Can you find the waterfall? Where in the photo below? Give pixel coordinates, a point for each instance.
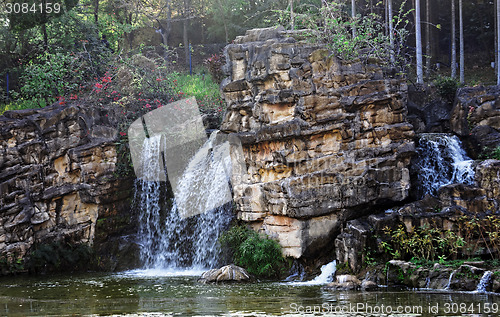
(172, 236)
(440, 161)
(326, 276)
(484, 282)
(448, 286)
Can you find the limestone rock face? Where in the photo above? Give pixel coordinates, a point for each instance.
(56, 176)
(476, 116)
(228, 273)
(323, 139)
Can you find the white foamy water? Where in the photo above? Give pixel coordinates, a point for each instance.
(326, 276)
(441, 161)
(187, 243)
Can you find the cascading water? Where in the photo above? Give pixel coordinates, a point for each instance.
(326, 276)
(485, 282)
(440, 161)
(169, 241)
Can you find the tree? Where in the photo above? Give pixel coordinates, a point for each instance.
(418, 37)
(453, 41)
(428, 53)
(498, 42)
(353, 14)
(391, 31)
(462, 51)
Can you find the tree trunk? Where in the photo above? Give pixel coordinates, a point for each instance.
(96, 11)
(353, 14)
(428, 53)
(45, 37)
(185, 31)
(497, 35)
(453, 41)
(391, 32)
(169, 21)
(498, 42)
(462, 52)
(292, 16)
(224, 19)
(418, 38)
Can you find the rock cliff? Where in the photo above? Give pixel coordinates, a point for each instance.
(324, 140)
(57, 178)
(476, 118)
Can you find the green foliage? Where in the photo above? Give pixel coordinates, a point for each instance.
(59, 256)
(350, 38)
(423, 243)
(430, 244)
(491, 154)
(214, 64)
(258, 254)
(447, 87)
(11, 264)
(52, 75)
(204, 89)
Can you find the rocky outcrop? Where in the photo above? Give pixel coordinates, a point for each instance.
(467, 277)
(476, 117)
(427, 111)
(228, 273)
(57, 177)
(451, 210)
(323, 139)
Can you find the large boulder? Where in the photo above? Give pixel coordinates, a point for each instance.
(228, 273)
(323, 139)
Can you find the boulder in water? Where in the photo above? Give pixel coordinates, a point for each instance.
(228, 273)
(345, 282)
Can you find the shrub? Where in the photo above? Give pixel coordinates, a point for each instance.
(59, 256)
(214, 64)
(52, 75)
(447, 87)
(257, 253)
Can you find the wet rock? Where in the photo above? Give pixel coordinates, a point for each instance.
(368, 285)
(323, 139)
(345, 282)
(228, 273)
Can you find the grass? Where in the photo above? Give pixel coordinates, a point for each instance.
(22, 104)
(203, 88)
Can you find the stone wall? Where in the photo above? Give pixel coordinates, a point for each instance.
(324, 140)
(57, 177)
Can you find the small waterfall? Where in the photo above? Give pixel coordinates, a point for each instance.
(484, 282)
(172, 236)
(326, 276)
(440, 161)
(448, 286)
(427, 282)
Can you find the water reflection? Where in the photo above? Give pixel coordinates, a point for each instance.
(135, 295)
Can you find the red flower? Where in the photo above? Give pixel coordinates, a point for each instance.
(98, 85)
(123, 133)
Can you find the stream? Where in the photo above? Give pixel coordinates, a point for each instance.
(163, 293)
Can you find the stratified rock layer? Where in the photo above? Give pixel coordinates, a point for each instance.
(476, 118)
(57, 168)
(323, 139)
